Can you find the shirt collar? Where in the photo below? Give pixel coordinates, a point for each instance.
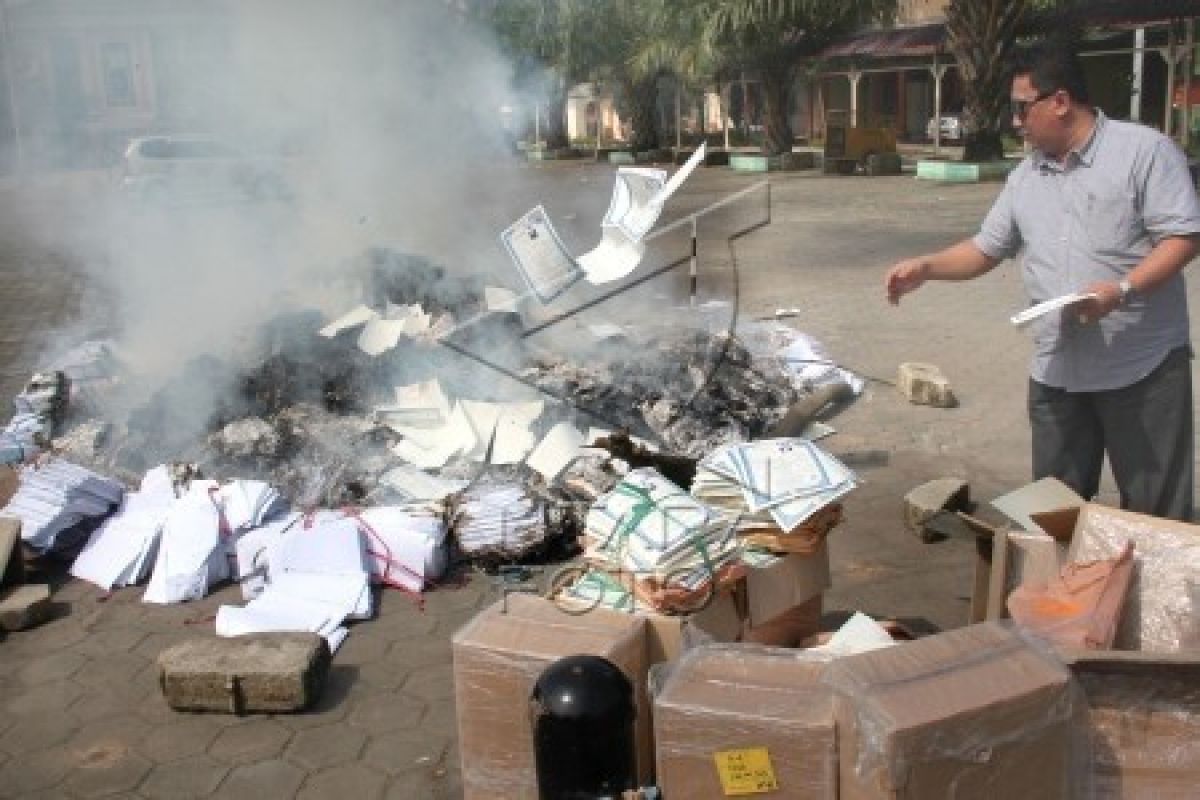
(1082, 155)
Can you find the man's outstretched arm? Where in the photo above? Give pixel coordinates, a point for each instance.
(959, 262)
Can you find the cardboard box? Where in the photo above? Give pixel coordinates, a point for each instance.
(498, 657)
(791, 581)
(1144, 712)
(1163, 608)
(721, 620)
(734, 698)
(974, 713)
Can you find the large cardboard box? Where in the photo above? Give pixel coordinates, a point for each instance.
(498, 657)
(1144, 711)
(974, 713)
(1163, 607)
(722, 619)
(727, 698)
(783, 601)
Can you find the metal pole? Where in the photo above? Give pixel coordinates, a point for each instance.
(939, 71)
(693, 279)
(678, 119)
(1139, 61)
(1168, 114)
(725, 116)
(1189, 66)
(854, 76)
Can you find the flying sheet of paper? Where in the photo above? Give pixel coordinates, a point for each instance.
(681, 175)
(500, 300)
(632, 208)
(352, 319)
(556, 451)
(1041, 309)
(540, 256)
(615, 257)
(380, 335)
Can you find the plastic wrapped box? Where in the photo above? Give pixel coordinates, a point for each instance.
(978, 712)
(1144, 711)
(722, 699)
(498, 657)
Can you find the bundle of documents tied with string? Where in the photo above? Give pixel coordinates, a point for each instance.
(784, 492)
(668, 547)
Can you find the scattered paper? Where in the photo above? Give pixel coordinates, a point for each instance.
(634, 207)
(500, 300)
(380, 335)
(540, 255)
(359, 316)
(860, 634)
(556, 451)
(615, 257)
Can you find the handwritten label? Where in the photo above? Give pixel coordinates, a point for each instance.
(746, 771)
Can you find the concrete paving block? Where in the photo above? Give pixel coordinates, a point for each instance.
(924, 384)
(12, 566)
(264, 673)
(923, 502)
(23, 607)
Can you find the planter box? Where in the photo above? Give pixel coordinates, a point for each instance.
(754, 162)
(560, 154)
(621, 158)
(961, 172)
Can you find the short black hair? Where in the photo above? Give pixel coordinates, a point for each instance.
(1051, 67)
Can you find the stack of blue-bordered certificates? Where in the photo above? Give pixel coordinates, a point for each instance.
(668, 546)
(785, 492)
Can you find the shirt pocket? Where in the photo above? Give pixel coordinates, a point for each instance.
(1110, 221)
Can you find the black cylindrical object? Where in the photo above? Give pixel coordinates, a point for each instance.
(583, 716)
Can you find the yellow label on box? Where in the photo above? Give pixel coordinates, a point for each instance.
(745, 771)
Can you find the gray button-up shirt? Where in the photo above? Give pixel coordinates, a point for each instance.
(1094, 217)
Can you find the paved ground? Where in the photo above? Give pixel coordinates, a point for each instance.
(80, 712)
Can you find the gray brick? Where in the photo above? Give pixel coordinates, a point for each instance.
(386, 711)
(276, 672)
(254, 740)
(920, 504)
(35, 772)
(264, 780)
(23, 607)
(924, 384)
(182, 736)
(325, 747)
(344, 782)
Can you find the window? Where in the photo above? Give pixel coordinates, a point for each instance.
(116, 66)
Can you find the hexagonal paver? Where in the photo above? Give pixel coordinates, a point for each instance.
(338, 783)
(155, 643)
(417, 653)
(117, 673)
(107, 771)
(54, 667)
(117, 732)
(93, 705)
(331, 706)
(35, 772)
(362, 647)
(405, 751)
(264, 779)
(432, 684)
(105, 643)
(325, 747)
(195, 776)
(35, 733)
(47, 698)
(385, 673)
(50, 637)
(414, 786)
(253, 740)
(385, 711)
(183, 736)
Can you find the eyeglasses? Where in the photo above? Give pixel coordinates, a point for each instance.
(1020, 108)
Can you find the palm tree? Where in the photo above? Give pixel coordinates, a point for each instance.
(982, 36)
(770, 38)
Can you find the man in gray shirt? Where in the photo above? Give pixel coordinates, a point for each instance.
(1106, 208)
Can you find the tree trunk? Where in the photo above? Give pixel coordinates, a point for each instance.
(643, 113)
(982, 36)
(777, 123)
(556, 117)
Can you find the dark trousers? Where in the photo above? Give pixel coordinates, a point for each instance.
(1146, 429)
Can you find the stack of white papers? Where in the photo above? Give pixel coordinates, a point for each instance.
(406, 545)
(499, 519)
(56, 495)
(121, 550)
(651, 528)
(317, 578)
(784, 481)
(249, 504)
(190, 553)
(255, 549)
(802, 358)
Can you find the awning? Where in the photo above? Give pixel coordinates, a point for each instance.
(918, 40)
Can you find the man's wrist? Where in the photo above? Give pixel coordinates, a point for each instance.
(1125, 287)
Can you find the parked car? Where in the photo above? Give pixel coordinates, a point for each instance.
(954, 128)
(197, 168)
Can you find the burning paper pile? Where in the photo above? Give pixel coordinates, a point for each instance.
(674, 547)
(499, 520)
(784, 491)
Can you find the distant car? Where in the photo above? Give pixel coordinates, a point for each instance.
(954, 128)
(191, 168)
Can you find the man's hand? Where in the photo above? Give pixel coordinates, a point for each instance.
(1108, 297)
(906, 276)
